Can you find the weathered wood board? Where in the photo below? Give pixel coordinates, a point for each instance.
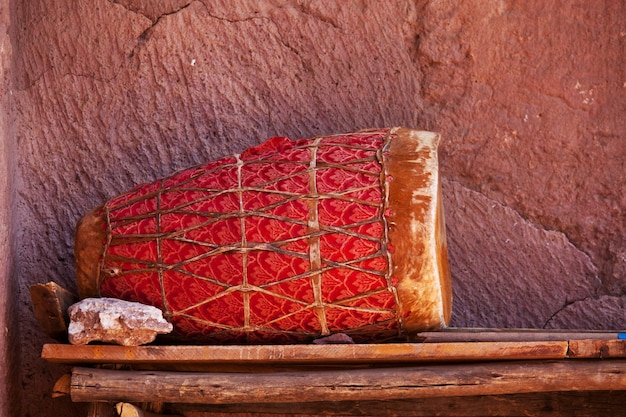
(174, 357)
(50, 304)
(445, 380)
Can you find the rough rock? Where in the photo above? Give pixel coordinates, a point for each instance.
(115, 321)
(530, 98)
(506, 271)
(599, 313)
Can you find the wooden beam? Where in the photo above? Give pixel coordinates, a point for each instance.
(448, 380)
(171, 357)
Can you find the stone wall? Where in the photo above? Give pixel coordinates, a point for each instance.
(529, 100)
(9, 341)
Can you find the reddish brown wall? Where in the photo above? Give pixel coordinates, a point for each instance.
(9, 335)
(529, 99)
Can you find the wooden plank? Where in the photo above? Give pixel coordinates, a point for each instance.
(50, 304)
(168, 356)
(449, 380)
(460, 334)
(601, 349)
(549, 404)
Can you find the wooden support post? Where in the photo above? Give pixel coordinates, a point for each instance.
(495, 378)
(50, 303)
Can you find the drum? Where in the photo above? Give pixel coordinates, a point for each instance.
(286, 242)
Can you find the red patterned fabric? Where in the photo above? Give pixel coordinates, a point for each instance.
(283, 243)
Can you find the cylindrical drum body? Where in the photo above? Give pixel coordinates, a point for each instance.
(286, 242)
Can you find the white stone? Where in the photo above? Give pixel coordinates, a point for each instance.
(115, 321)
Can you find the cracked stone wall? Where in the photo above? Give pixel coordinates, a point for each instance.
(529, 100)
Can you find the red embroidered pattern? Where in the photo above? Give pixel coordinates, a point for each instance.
(283, 243)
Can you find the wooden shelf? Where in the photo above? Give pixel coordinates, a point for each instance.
(194, 378)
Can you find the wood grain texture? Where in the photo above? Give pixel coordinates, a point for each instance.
(50, 304)
(169, 356)
(348, 385)
(600, 349)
